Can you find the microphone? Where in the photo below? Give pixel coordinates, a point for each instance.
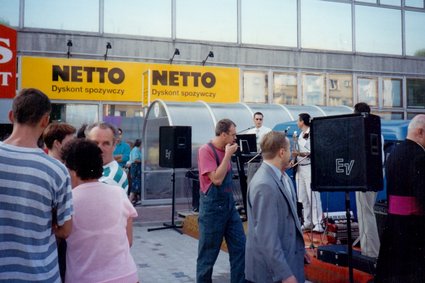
(249, 128)
(287, 129)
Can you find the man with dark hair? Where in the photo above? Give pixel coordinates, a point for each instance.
(361, 107)
(122, 150)
(35, 196)
(365, 203)
(218, 216)
(55, 136)
(402, 254)
(311, 201)
(259, 130)
(275, 245)
(105, 135)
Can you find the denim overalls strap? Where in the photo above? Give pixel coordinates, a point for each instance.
(228, 179)
(215, 154)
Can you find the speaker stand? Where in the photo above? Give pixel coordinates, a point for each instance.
(349, 246)
(172, 224)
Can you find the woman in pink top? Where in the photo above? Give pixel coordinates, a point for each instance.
(102, 232)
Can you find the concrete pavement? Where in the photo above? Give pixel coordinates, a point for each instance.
(165, 255)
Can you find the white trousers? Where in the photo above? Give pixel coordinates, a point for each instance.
(312, 205)
(368, 230)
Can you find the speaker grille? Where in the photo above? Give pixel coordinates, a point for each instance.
(341, 149)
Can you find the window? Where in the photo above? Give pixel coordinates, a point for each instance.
(255, 87)
(285, 88)
(340, 89)
(146, 18)
(391, 2)
(410, 115)
(378, 30)
(326, 25)
(126, 117)
(415, 93)
(367, 90)
(313, 89)
(414, 3)
(415, 33)
(392, 92)
(75, 114)
(206, 20)
(277, 24)
(390, 115)
(9, 12)
(62, 15)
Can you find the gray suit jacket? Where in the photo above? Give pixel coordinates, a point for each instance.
(275, 244)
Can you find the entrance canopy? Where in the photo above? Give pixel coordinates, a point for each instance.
(202, 117)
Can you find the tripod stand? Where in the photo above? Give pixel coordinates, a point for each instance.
(349, 246)
(172, 224)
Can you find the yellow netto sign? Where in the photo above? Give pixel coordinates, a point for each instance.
(192, 83)
(73, 79)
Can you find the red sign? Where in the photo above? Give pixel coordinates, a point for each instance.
(7, 62)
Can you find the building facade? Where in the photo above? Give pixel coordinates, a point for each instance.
(296, 52)
(291, 52)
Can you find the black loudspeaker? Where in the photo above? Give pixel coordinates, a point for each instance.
(175, 146)
(338, 255)
(346, 153)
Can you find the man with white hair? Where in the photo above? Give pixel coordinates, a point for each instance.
(402, 254)
(105, 135)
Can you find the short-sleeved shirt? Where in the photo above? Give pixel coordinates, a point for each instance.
(124, 149)
(113, 174)
(98, 248)
(135, 154)
(32, 184)
(259, 133)
(207, 163)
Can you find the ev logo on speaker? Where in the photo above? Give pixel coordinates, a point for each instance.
(342, 167)
(168, 154)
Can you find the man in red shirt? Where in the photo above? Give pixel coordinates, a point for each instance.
(218, 216)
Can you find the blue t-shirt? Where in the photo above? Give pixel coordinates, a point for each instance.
(32, 184)
(124, 149)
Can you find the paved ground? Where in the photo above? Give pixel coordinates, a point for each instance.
(165, 255)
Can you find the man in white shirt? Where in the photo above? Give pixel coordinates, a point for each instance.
(365, 203)
(259, 130)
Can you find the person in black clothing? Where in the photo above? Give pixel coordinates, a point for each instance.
(402, 253)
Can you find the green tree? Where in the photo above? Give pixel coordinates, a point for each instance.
(420, 52)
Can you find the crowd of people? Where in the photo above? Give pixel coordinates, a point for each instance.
(54, 226)
(46, 199)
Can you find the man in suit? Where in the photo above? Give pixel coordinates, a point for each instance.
(275, 245)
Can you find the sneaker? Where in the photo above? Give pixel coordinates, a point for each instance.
(306, 227)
